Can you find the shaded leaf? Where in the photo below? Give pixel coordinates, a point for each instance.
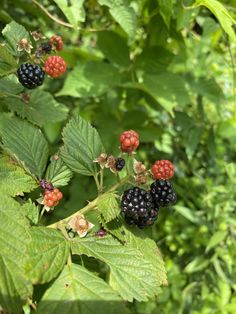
(7, 61)
(73, 10)
(108, 206)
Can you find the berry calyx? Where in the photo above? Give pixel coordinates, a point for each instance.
(57, 42)
(162, 169)
(138, 207)
(119, 163)
(52, 198)
(55, 66)
(30, 75)
(163, 193)
(129, 141)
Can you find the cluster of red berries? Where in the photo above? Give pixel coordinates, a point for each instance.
(52, 198)
(129, 141)
(54, 65)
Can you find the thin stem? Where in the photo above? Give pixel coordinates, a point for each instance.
(63, 23)
(101, 180)
(97, 182)
(55, 19)
(90, 206)
(5, 94)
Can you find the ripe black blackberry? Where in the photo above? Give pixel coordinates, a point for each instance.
(30, 75)
(138, 207)
(119, 164)
(46, 47)
(163, 193)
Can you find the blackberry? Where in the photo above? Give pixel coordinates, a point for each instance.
(163, 193)
(46, 47)
(138, 207)
(119, 164)
(30, 75)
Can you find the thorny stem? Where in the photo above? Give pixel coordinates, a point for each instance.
(90, 206)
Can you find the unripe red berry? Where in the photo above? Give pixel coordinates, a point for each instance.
(55, 66)
(57, 42)
(51, 198)
(162, 169)
(129, 141)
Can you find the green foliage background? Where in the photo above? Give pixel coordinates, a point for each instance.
(165, 69)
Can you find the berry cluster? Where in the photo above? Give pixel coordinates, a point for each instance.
(138, 207)
(51, 198)
(55, 66)
(129, 141)
(31, 75)
(162, 169)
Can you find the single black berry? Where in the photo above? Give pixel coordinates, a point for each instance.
(46, 47)
(138, 207)
(163, 193)
(44, 184)
(30, 75)
(120, 163)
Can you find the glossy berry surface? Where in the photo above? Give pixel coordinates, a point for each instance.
(55, 66)
(57, 42)
(52, 198)
(138, 207)
(162, 169)
(129, 141)
(30, 75)
(163, 193)
(119, 164)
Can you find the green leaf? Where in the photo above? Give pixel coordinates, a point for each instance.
(124, 14)
(48, 253)
(10, 84)
(168, 89)
(187, 213)
(14, 32)
(31, 211)
(42, 108)
(193, 139)
(58, 173)
(154, 59)
(166, 7)
(7, 61)
(131, 272)
(26, 143)
(90, 79)
(73, 10)
(79, 291)
(108, 206)
(118, 54)
(219, 10)
(197, 264)
(216, 239)
(15, 237)
(82, 144)
(13, 179)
